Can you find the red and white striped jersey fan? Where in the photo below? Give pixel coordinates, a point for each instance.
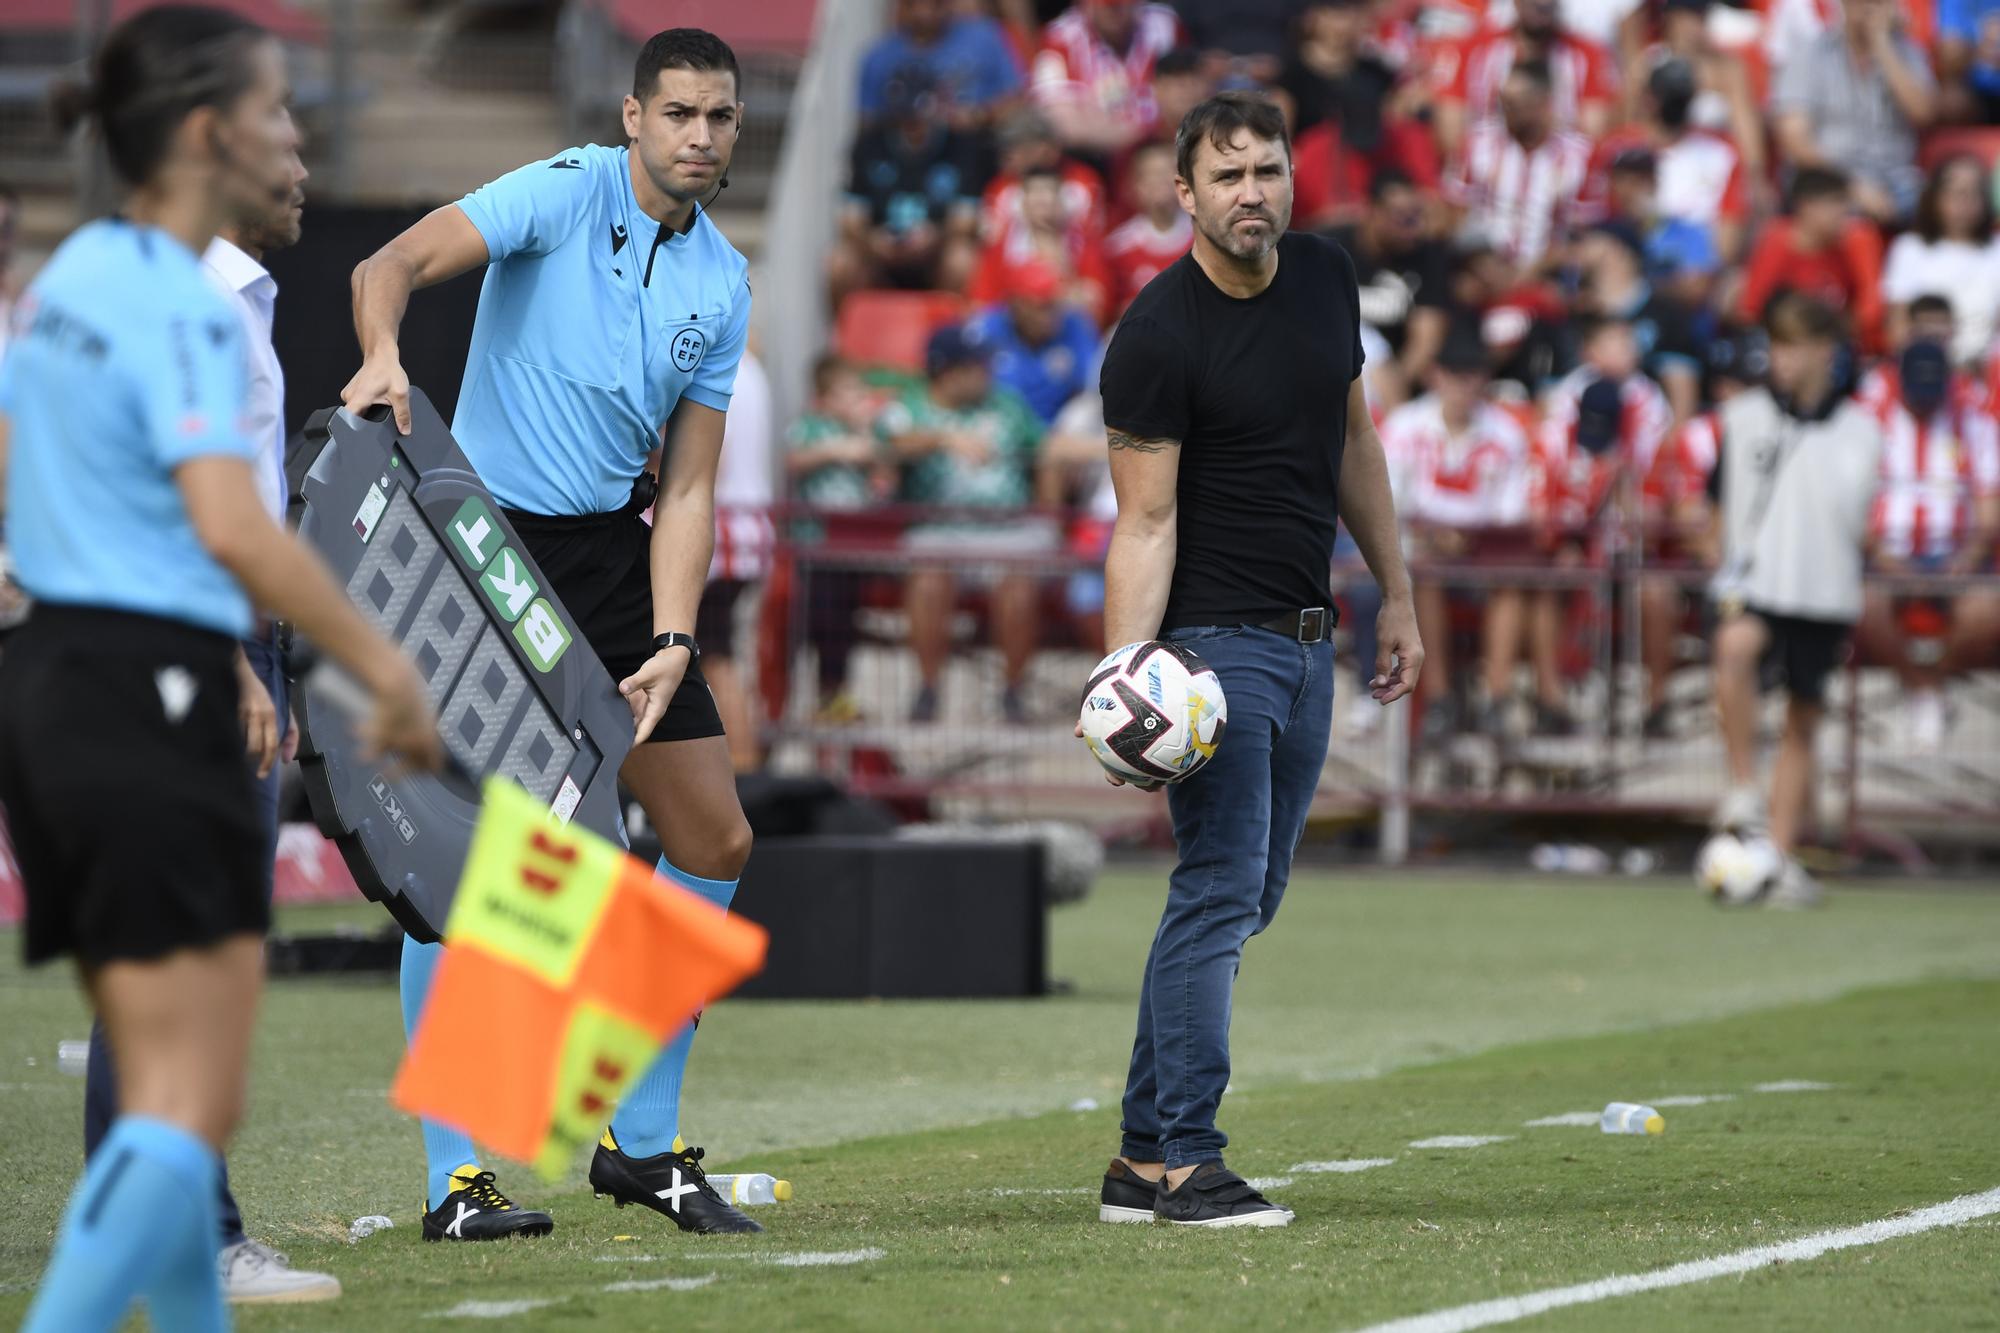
(1520, 198)
(1076, 67)
(1580, 71)
(1573, 485)
(1480, 478)
(1137, 251)
(1932, 470)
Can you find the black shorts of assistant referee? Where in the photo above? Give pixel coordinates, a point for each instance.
(128, 796)
(1800, 654)
(599, 568)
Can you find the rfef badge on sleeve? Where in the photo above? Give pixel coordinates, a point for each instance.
(426, 555)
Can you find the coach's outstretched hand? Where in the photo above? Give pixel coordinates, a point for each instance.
(380, 380)
(1399, 658)
(652, 687)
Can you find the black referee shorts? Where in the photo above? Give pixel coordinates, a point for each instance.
(599, 568)
(128, 796)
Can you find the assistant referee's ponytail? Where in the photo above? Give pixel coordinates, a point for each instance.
(153, 70)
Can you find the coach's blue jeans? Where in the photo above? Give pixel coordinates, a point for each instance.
(100, 1082)
(1236, 824)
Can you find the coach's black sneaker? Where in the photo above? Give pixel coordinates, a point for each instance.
(1127, 1196)
(477, 1210)
(1215, 1196)
(672, 1184)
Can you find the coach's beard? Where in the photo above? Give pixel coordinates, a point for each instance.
(1237, 246)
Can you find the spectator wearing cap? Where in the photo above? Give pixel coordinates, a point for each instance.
(1404, 278)
(1347, 127)
(1681, 257)
(1857, 96)
(911, 215)
(1520, 179)
(1582, 77)
(1603, 429)
(1938, 510)
(1093, 75)
(1699, 176)
(1951, 251)
(1048, 234)
(1462, 468)
(966, 59)
(967, 445)
(1158, 232)
(1041, 346)
(1611, 258)
(1820, 250)
(1968, 58)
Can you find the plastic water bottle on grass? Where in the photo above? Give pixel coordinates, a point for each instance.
(1632, 1118)
(752, 1189)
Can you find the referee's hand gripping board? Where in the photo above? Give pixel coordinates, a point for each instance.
(425, 553)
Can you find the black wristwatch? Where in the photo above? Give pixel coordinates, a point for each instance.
(676, 639)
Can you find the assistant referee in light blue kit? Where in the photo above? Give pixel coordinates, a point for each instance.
(612, 307)
(135, 520)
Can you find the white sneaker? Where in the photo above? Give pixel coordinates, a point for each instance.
(1742, 809)
(1795, 889)
(254, 1273)
(1927, 719)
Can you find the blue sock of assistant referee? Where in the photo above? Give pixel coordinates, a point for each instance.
(140, 1225)
(649, 1116)
(445, 1149)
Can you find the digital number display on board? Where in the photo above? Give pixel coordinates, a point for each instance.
(426, 555)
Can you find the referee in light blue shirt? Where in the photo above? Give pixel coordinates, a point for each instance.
(612, 308)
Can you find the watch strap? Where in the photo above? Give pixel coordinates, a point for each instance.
(676, 639)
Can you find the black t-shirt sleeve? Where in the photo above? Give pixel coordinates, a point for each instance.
(1145, 381)
(1433, 273)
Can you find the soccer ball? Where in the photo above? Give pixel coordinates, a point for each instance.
(1736, 870)
(1153, 713)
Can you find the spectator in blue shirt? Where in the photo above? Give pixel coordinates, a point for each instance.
(1968, 58)
(1041, 348)
(968, 60)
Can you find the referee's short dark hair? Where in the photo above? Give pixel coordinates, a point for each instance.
(683, 48)
(1220, 119)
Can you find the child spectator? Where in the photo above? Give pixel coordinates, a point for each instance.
(1046, 233)
(1158, 232)
(1820, 251)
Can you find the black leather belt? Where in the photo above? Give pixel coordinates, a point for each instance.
(1311, 625)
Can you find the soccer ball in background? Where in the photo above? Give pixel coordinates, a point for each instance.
(1738, 869)
(1153, 713)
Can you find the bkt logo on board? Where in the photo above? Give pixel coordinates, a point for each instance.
(392, 806)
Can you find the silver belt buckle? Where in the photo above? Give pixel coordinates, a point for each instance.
(1312, 624)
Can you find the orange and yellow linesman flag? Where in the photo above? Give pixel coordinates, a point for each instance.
(568, 965)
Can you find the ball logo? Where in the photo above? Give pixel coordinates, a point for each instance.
(688, 347)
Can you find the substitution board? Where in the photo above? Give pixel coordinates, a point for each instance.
(425, 553)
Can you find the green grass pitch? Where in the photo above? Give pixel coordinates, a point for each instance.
(933, 1146)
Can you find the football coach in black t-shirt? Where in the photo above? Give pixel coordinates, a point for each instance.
(1232, 394)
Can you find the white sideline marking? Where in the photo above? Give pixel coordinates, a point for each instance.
(1484, 1314)
(1702, 1100)
(1017, 1193)
(492, 1309)
(1461, 1140)
(1342, 1167)
(828, 1258)
(1566, 1118)
(661, 1284)
(1794, 1085)
(1262, 1183)
(625, 1259)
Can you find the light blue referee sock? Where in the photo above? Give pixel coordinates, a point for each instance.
(649, 1117)
(142, 1224)
(445, 1149)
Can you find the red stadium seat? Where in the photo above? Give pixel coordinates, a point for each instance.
(1982, 141)
(890, 328)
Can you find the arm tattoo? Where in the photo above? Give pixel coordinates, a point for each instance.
(1121, 440)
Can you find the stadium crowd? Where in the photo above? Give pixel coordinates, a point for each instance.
(1568, 219)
